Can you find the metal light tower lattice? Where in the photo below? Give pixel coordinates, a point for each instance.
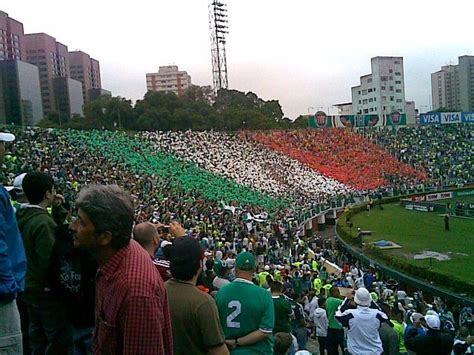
(218, 25)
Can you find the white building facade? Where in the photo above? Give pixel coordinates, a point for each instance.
(382, 91)
(344, 108)
(168, 79)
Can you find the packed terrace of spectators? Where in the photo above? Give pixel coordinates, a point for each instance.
(197, 178)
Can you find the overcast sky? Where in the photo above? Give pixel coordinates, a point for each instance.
(305, 53)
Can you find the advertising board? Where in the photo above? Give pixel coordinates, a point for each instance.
(432, 118)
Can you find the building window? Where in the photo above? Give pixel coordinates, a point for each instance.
(399, 91)
(391, 88)
(383, 78)
(364, 92)
(371, 100)
(359, 92)
(396, 62)
(364, 101)
(371, 109)
(366, 110)
(391, 98)
(390, 77)
(399, 100)
(398, 73)
(382, 88)
(398, 82)
(390, 71)
(360, 101)
(370, 90)
(369, 80)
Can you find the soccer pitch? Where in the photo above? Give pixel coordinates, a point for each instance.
(419, 231)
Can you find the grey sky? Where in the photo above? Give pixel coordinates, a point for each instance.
(306, 53)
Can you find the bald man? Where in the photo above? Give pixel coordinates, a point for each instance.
(148, 236)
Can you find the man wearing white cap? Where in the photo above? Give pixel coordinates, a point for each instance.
(434, 342)
(16, 192)
(363, 323)
(12, 267)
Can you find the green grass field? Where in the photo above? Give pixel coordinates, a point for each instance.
(419, 231)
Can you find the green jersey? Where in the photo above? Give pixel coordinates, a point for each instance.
(332, 304)
(298, 285)
(282, 314)
(244, 308)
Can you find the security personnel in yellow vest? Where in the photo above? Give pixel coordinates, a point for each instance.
(317, 285)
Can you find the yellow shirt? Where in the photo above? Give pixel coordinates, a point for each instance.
(262, 278)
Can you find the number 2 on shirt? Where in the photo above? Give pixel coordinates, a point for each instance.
(234, 314)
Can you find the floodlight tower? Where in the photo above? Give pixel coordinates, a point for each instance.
(218, 25)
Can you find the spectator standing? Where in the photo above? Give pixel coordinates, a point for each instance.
(73, 272)
(16, 192)
(194, 315)
(388, 336)
(282, 308)
(12, 267)
(49, 329)
(148, 235)
(320, 319)
(416, 328)
(399, 326)
(434, 342)
(335, 338)
(298, 325)
(363, 324)
(222, 271)
(132, 315)
(207, 277)
(464, 343)
(246, 311)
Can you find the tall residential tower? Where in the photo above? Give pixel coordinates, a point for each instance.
(452, 87)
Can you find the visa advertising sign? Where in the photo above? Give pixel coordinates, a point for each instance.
(430, 118)
(450, 117)
(467, 117)
(433, 118)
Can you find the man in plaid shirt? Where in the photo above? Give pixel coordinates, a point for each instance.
(132, 314)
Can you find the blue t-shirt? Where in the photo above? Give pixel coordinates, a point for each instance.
(12, 252)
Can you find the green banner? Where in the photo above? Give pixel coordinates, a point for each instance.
(463, 193)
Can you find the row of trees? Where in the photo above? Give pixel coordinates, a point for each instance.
(230, 110)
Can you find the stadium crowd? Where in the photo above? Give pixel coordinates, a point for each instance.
(444, 152)
(92, 287)
(342, 154)
(249, 164)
